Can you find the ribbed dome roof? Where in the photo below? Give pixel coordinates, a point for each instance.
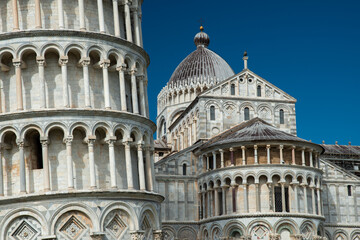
(202, 65)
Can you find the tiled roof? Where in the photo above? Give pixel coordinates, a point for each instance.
(341, 149)
(255, 129)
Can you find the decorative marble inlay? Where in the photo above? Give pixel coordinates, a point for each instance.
(307, 232)
(73, 228)
(116, 226)
(260, 232)
(24, 232)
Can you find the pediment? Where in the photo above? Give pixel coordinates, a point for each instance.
(245, 86)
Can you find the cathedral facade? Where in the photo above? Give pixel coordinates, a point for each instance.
(229, 163)
(76, 140)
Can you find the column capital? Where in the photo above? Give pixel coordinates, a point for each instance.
(158, 234)
(141, 77)
(255, 147)
(68, 140)
(268, 146)
(63, 60)
(121, 67)
(105, 63)
(17, 62)
(140, 146)
(133, 71)
(85, 61)
(20, 143)
(40, 60)
(44, 141)
(293, 147)
(243, 147)
(111, 140)
(221, 150)
(281, 146)
(231, 149)
(91, 140)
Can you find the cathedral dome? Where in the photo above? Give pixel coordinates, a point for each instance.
(202, 65)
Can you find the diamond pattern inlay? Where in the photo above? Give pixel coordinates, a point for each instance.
(24, 232)
(116, 226)
(73, 228)
(260, 232)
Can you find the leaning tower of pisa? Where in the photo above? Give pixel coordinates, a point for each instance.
(76, 139)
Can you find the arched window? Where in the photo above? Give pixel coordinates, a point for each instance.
(232, 89)
(212, 113)
(282, 120)
(246, 114)
(184, 169)
(259, 91)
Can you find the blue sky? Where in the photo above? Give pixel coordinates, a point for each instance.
(309, 48)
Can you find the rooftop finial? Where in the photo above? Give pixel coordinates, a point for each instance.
(245, 58)
(201, 28)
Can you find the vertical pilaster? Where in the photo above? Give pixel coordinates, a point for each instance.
(224, 203)
(257, 193)
(295, 187)
(304, 185)
(319, 201)
(216, 201)
(148, 169)
(1, 172)
(283, 201)
(246, 208)
(313, 199)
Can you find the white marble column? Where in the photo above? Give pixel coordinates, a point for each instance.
(222, 157)
(268, 154)
(136, 27)
(140, 27)
(85, 62)
(82, 15)
(281, 147)
(134, 95)
(296, 205)
(41, 64)
(61, 14)
(38, 24)
(214, 160)
(246, 208)
(304, 185)
(63, 63)
(1, 172)
(257, 193)
(313, 199)
(129, 174)
(105, 65)
(45, 155)
(311, 158)
(318, 191)
(203, 204)
(224, 200)
(216, 201)
(69, 163)
(19, 92)
(243, 155)
(111, 141)
(303, 157)
(293, 155)
(148, 169)
(141, 167)
(90, 143)
(128, 20)
(142, 96)
(283, 201)
(15, 16)
(22, 167)
(255, 154)
(116, 18)
(121, 70)
(101, 16)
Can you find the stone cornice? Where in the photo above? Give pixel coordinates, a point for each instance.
(342, 225)
(262, 215)
(76, 112)
(74, 33)
(116, 194)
